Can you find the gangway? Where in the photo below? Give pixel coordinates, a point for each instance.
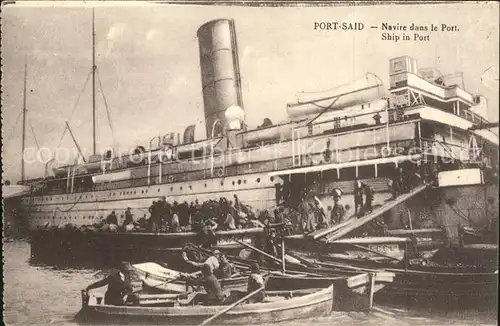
(354, 223)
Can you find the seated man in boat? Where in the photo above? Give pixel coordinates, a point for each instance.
(213, 261)
(255, 282)
(121, 286)
(225, 268)
(214, 295)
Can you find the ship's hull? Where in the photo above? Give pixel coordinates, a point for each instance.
(86, 208)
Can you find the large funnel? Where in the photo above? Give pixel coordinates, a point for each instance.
(363, 90)
(220, 73)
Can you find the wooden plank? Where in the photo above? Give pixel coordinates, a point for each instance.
(357, 280)
(373, 240)
(372, 289)
(324, 232)
(356, 223)
(375, 252)
(414, 231)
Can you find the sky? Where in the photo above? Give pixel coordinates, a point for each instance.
(148, 64)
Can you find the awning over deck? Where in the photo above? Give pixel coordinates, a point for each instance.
(332, 166)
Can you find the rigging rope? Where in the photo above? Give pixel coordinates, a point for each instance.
(14, 128)
(34, 136)
(74, 107)
(107, 108)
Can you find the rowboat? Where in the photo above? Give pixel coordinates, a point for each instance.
(278, 305)
(157, 278)
(423, 283)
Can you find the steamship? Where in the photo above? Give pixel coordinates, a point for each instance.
(366, 130)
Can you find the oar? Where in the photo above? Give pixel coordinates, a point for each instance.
(206, 321)
(178, 278)
(259, 251)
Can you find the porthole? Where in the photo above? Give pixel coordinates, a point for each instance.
(258, 180)
(205, 185)
(190, 187)
(239, 181)
(180, 188)
(158, 189)
(171, 188)
(222, 183)
(233, 183)
(142, 191)
(245, 181)
(272, 178)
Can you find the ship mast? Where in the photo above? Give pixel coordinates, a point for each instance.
(24, 120)
(93, 84)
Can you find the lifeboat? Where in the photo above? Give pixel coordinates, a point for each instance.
(363, 90)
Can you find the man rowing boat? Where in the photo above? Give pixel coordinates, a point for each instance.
(121, 286)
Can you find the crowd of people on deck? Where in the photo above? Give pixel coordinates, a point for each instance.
(183, 217)
(307, 214)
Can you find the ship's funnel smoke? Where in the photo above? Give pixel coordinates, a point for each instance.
(220, 73)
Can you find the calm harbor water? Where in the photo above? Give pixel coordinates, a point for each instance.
(47, 295)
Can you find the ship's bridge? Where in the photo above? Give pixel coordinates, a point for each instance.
(425, 92)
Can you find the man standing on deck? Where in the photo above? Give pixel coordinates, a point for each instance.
(397, 182)
(307, 215)
(175, 225)
(358, 198)
(338, 210)
(153, 218)
(368, 199)
(128, 223)
(320, 212)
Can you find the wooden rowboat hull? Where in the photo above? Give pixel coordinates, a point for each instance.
(315, 304)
